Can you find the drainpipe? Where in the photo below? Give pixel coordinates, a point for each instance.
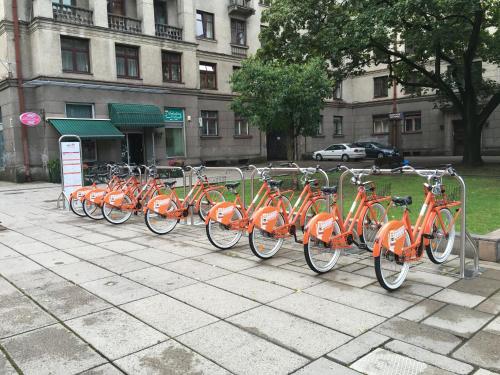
(20, 90)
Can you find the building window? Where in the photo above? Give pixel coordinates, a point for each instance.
(161, 12)
(412, 122)
(210, 123)
(2, 145)
(205, 25)
(65, 2)
(238, 32)
(171, 65)
(337, 90)
(75, 55)
(241, 128)
(338, 126)
(89, 150)
(410, 89)
(79, 110)
(127, 62)
(174, 131)
(116, 7)
(319, 130)
(208, 76)
(381, 87)
(380, 125)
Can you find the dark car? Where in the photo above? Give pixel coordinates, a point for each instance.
(377, 150)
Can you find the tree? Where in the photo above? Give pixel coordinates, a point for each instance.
(282, 97)
(432, 45)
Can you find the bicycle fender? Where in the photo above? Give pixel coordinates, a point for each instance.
(264, 218)
(159, 204)
(390, 236)
(80, 193)
(114, 198)
(95, 196)
(222, 213)
(320, 226)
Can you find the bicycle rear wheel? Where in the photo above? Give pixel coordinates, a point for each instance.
(320, 256)
(222, 236)
(161, 224)
(375, 216)
(116, 215)
(263, 244)
(92, 210)
(207, 201)
(391, 271)
(440, 245)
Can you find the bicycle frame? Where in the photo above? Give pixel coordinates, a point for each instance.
(135, 192)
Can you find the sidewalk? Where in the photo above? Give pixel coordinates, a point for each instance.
(85, 297)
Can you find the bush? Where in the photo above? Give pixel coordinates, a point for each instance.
(54, 167)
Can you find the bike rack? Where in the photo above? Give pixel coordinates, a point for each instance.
(465, 272)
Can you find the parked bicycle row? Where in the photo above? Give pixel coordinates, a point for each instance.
(314, 220)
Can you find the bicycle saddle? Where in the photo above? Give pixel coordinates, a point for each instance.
(328, 190)
(170, 184)
(402, 201)
(275, 183)
(232, 185)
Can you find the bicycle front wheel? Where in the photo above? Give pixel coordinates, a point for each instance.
(161, 224)
(207, 201)
(375, 216)
(115, 215)
(76, 206)
(440, 244)
(320, 256)
(264, 244)
(390, 269)
(92, 210)
(222, 236)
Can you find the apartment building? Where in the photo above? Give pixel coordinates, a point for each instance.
(149, 79)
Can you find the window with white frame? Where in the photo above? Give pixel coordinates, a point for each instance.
(79, 110)
(412, 122)
(338, 126)
(380, 124)
(210, 123)
(240, 126)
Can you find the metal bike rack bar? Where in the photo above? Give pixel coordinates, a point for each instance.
(465, 273)
(168, 168)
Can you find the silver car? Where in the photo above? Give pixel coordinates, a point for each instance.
(340, 151)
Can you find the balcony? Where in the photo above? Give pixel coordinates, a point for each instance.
(126, 24)
(168, 32)
(239, 50)
(70, 14)
(240, 8)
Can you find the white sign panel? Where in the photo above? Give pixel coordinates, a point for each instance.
(71, 166)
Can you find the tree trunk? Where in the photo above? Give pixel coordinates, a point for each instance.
(472, 142)
(290, 149)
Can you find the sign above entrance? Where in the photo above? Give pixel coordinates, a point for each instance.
(396, 116)
(174, 115)
(30, 118)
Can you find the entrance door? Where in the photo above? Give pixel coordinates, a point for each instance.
(458, 137)
(276, 146)
(136, 148)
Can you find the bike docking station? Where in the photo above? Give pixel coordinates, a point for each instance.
(71, 168)
(465, 271)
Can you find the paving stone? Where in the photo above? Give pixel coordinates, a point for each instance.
(490, 305)
(494, 326)
(12, 266)
(358, 347)
(420, 335)
(283, 277)
(67, 301)
(458, 298)
(159, 278)
(227, 262)
(51, 350)
(195, 269)
(19, 314)
(479, 286)
(121, 246)
(401, 293)
(491, 274)
(37, 280)
(169, 358)
(484, 372)
(106, 369)
(12, 239)
(62, 243)
(120, 263)
(482, 350)
(246, 286)
(436, 360)
(359, 298)
(459, 320)
(241, 352)
(89, 252)
(353, 267)
(422, 310)
(6, 253)
(118, 289)
(54, 258)
(168, 315)
(325, 367)
(93, 237)
(287, 330)
(6, 288)
(382, 362)
(431, 278)
(213, 300)
(154, 256)
(115, 333)
(81, 272)
(348, 278)
(5, 366)
(331, 314)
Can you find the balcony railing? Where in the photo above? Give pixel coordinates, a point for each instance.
(238, 50)
(70, 14)
(168, 32)
(241, 8)
(127, 24)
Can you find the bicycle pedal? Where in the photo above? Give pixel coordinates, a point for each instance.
(428, 236)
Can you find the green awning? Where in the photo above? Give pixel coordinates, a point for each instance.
(87, 128)
(136, 115)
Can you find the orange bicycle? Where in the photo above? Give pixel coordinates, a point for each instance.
(226, 221)
(270, 225)
(398, 243)
(163, 212)
(76, 197)
(327, 233)
(119, 205)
